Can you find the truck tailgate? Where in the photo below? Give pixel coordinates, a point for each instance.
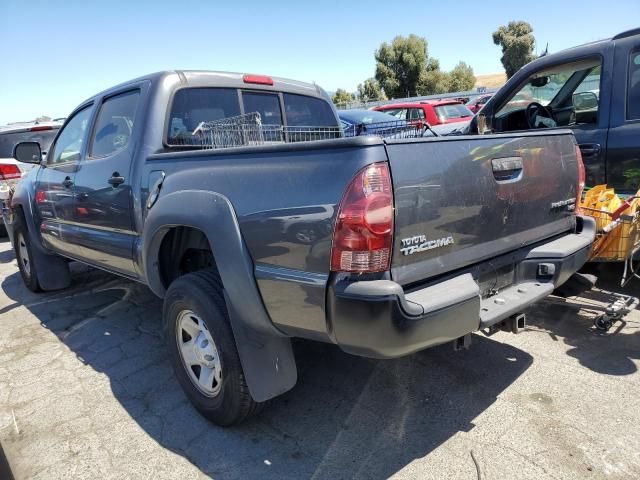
(461, 200)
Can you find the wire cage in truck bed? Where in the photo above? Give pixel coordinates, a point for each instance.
(249, 130)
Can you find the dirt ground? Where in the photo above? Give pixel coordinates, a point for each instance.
(87, 391)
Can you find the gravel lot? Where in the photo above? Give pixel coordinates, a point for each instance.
(86, 391)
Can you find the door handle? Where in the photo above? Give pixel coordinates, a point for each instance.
(589, 149)
(116, 179)
(67, 182)
(507, 168)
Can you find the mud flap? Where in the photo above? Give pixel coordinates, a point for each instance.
(267, 360)
(53, 270)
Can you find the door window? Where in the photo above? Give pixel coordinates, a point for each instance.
(399, 113)
(416, 114)
(68, 146)
(633, 89)
(114, 125)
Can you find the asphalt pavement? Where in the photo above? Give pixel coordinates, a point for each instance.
(87, 391)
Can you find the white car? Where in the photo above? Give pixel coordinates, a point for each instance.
(11, 171)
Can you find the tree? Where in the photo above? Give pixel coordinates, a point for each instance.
(342, 97)
(400, 64)
(461, 78)
(370, 91)
(517, 44)
(433, 82)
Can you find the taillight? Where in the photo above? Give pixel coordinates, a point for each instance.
(9, 171)
(582, 177)
(363, 233)
(40, 128)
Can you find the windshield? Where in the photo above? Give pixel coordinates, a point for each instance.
(544, 86)
(9, 140)
(453, 110)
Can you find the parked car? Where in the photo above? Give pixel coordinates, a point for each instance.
(434, 112)
(477, 103)
(592, 89)
(414, 243)
(361, 121)
(11, 170)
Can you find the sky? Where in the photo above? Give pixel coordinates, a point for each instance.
(55, 54)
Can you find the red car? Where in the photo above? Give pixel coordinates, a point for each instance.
(435, 112)
(477, 103)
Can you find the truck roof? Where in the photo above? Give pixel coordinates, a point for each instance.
(580, 50)
(209, 78)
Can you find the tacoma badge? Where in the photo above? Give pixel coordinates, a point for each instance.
(419, 243)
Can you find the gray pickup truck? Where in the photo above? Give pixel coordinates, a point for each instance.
(383, 246)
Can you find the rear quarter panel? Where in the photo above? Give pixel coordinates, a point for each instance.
(285, 199)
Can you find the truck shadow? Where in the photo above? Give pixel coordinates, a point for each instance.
(348, 417)
(613, 352)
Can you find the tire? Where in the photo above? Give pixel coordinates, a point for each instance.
(24, 256)
(3, 231)
(209, 368)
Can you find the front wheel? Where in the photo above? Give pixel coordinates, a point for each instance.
(203, 349)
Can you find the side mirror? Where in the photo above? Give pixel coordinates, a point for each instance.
(585, 101)
(28, 152)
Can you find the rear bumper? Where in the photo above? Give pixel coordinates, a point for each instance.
(379, 319)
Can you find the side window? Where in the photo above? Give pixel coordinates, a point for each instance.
(416, 114)
(399, 113)
(633, 89)
(266, 104)
(69, 143)
(114, 124)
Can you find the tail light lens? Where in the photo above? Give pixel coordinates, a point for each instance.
(9, 171)
(363, 233)
(582, 177)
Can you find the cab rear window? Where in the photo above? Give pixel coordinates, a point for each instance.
(192, 106)
(303, 111)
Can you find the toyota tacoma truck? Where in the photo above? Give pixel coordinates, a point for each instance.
(382, 246)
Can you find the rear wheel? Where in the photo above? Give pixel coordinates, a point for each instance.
(203, 349)
(24, 256)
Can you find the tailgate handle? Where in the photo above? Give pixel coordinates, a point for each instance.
(507, 168)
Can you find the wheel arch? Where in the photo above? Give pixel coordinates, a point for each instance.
(265, 352)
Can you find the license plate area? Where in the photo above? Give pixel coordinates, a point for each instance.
(494, 279)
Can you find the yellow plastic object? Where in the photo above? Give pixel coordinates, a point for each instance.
(620, 242)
